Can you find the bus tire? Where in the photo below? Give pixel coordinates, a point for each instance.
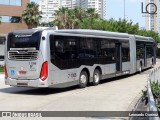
(83, 79)
(96, 77)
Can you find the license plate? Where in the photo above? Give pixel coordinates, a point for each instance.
(22, 84)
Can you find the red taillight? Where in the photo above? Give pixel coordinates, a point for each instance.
(5, 72)
(44, 71)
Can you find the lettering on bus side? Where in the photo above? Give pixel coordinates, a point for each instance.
(72, 75)
(32, 66)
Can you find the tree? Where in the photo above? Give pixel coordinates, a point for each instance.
(31, 15)
(74, 18)
(91, 13)
(88, 19)
(61, 18)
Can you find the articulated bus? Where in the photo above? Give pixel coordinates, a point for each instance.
(61, 58)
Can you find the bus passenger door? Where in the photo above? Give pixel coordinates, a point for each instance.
(118, 58)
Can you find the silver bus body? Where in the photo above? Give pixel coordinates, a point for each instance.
(65, 64)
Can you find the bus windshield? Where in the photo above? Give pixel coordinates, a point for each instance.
(17, 41)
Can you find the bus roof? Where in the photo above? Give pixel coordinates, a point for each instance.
(142, 38)
(87, 32)
(27, 31)
(93, 32)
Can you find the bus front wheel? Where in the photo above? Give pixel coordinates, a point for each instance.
(83, 79)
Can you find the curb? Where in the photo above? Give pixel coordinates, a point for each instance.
(135, 102)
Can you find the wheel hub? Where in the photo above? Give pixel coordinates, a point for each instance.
(83, 79)
(96, 77)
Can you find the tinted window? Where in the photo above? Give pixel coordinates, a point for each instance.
(88, 48)
(149, 52)
(108, 50)
(52, 46)
(140, 50)
(125, 52)
(24, 41)
(65, 47)
(11, 19)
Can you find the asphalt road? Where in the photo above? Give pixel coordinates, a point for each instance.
(116, 94)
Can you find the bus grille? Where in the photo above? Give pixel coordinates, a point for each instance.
(23, 55)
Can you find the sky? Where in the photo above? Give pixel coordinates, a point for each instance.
(115, 9)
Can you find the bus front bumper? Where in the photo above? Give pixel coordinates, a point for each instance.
(26, 83)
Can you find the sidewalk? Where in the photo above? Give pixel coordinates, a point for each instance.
(141, 106)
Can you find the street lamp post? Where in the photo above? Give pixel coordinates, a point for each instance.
(124, 8)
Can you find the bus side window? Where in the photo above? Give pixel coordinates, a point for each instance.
(52, 47)
(65, 47)
(59, 46)
(88, 48)
(108, 50)
(59, 49)
(125, 52)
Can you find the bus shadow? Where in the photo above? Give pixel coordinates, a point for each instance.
(146, 71)
(36, 91)
(103, 81)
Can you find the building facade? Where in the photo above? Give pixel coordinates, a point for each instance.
(11, 18)
(152, 21)
(98, 5)
(48, 7)
(11, 15)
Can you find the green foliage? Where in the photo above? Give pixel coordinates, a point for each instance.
(144, 96)
(1, 69)
(31, 15)
(158, 107)
(75, 18)
(155, 87)
(88, 19)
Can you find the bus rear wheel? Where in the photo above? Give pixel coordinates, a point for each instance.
(96, 77)
(83, 79)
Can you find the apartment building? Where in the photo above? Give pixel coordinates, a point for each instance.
(68, 3)
(152, 21)
(98, 5)
(48, 7)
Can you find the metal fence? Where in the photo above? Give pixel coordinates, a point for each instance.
(154, 75)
